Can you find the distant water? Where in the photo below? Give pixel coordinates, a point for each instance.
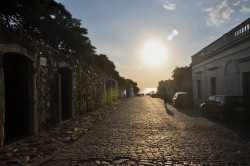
(147, 90)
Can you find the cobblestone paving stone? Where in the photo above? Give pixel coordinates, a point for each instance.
(143, 132)
(37, 149)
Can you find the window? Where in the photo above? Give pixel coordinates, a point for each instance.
(199, 88)
(218, 99)
(211, 99)
(213, 85)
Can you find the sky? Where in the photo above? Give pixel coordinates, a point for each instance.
(148, 39)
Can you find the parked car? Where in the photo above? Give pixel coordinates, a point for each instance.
(182, 99)
(226, 107)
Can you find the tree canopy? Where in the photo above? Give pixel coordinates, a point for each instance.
(182, 77)
(133, 84)
(48, 22)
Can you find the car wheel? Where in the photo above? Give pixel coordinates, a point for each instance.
(221, 116)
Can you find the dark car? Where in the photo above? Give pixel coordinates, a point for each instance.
(182, 99)
(226, 107)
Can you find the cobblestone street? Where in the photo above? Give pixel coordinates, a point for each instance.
(143, 132)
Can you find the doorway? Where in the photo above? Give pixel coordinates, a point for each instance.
(213, 85)
(66, 93)
(16, 76)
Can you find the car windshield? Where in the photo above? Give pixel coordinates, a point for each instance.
(211, 98)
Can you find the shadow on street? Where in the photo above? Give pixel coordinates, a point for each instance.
(242, 129)
(192, 112)
(169, 112)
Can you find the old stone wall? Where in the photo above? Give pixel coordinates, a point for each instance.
(88, 86)
(48, 73)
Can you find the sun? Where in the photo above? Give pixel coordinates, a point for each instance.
(154, 53)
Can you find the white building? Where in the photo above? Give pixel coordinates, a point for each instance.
(223, 67)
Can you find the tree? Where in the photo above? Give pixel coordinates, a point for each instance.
(105, 64)
(182, 77)
(130, 82)
(46, 21)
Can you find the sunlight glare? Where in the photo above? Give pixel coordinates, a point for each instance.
(172, 34)
(154, 53)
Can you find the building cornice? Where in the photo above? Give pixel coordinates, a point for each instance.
(233, 37)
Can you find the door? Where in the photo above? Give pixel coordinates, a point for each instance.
(16, 76)
(66, 93)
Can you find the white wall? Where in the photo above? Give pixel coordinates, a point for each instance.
(226, 66)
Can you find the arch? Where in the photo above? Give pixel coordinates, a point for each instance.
(228, 63)
(64, 65)
(17, 49)
(231, 78)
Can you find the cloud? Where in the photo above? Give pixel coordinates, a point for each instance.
(209, 9)
(237, 3)
(244, 9)
(172, 34)
(169, 5)
(219, 14)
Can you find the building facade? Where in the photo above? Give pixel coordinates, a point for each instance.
(223, 67)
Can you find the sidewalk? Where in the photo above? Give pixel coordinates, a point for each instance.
(37, 149)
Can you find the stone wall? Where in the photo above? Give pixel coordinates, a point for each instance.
(88, 86)
(87, 92)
